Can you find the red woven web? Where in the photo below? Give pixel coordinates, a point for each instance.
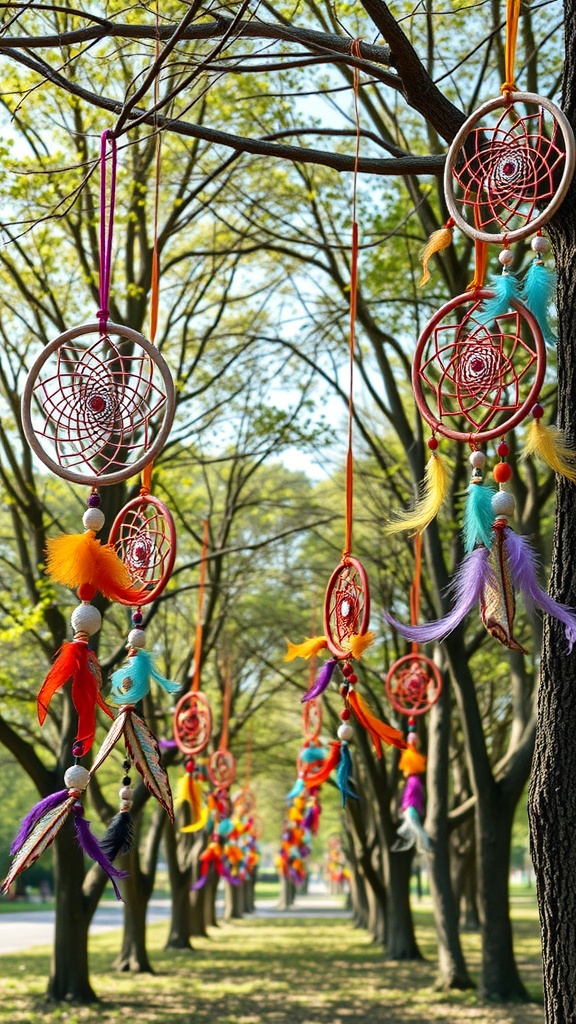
(222, 768)
(96, 405)
(413, 684)
(144, 537)
(192, 723)
(505, 170)
(347, 604)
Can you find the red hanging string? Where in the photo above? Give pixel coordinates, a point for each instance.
(200, 622)
(355, 51)
(223, 745)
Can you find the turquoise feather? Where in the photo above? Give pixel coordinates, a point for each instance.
(478, 517)
(538, 290)
(131, 683)
(297, 789)
(343, 773)
(505, 288)
(310, 754)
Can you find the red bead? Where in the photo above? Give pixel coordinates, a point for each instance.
(86, 591)
(503, 449)
(347, 669)
(411, 720)
(344, 690)
(345, 714)
(537, 411)
(190, 765)
(433, 443)
(502, 472)
(352, 679)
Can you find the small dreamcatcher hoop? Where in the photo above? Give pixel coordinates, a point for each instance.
(308, 769)
(346, 605)
(97, 410)
(144, 537)
(222, 768)
(487, 376)
(192, 723)
(244, 801)
(312, 720)
(413, 684)
(504, 181)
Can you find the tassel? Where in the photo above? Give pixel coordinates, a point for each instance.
(438, 241)
(433, 495)
(331, 762)
(322, 681)
(33, 817)
(549, 444)
(413, 795)
(311, 646)
(131, 683)
(343, 774)
(478, 517)
(412, 762)
(377, 730)
(91, 847)
(523, 565)
(505, 288)
(538, 292)
(468, 584)
(80, 558)
(74, 661)
(118, 837)
(357, 643)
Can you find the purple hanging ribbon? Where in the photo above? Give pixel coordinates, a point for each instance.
(106, 225)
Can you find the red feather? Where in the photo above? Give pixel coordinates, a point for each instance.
(377, 730)
(331, 762)
(76, 663)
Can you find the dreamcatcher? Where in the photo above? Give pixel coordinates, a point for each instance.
(347, 597)
(248, 826)
(97, 408)
(480, 361)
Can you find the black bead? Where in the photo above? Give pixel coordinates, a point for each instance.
(126, 780)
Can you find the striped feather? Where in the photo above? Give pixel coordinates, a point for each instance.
(40, 838)
(144, 751)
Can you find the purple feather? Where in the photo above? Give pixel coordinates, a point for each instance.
(90, 846)
(522, 562)
(34, 816)
(413, 795)
(200, 883)
(167, 744)
(322, 680)
(467, 585)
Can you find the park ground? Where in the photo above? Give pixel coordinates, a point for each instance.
(275, 971)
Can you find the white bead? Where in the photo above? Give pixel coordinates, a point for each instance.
(477, 459)
(76, 777)
(503, 503)
(93, 519)
(505, 257)
(345, 731)
(539, 244)
(86, 619)
(137, 638)
(126, 794)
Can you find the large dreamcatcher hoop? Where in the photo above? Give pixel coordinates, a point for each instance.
(484, 376)
(346, 606)
(413, 684)
(192, 723)
(144, 538)
(97, 408)
(503, 181)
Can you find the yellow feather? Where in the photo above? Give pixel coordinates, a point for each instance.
(549, 444)
(438, 240)
(312, 645)
(358, 643)
(201, 823)
(412, 762)
(433, 495)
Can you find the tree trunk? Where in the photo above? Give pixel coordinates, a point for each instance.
(137, 891)
(180, 877)
(69, 978)
(249, 897)
(287, 893)
(400, 940)
(233, 901)
(552, 800)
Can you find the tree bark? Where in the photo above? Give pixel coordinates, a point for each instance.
(69, 978)
(287, 893)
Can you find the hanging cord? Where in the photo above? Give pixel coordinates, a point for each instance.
(355, 51)
(200, 622)
(146, 478)
(512, 18)
(106, 225)
(248, 758)
(223, 745)
(415, 588)
(480, 258)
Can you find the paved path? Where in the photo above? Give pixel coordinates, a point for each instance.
(20, 931)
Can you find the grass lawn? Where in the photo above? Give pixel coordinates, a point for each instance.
(273, 971)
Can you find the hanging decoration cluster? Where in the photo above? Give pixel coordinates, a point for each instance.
(302, 804)
(336, 868)
(97, 408)
(480, 362)
(347, 598)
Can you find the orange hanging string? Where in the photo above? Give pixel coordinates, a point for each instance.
(415, 588)
(223, 745)
(200, 622)
(512, 19)
(355, 51)
(480, 258)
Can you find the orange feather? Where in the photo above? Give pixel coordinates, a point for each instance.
(331, 762)
(76, 663)
(378, 730)
(79, 558)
